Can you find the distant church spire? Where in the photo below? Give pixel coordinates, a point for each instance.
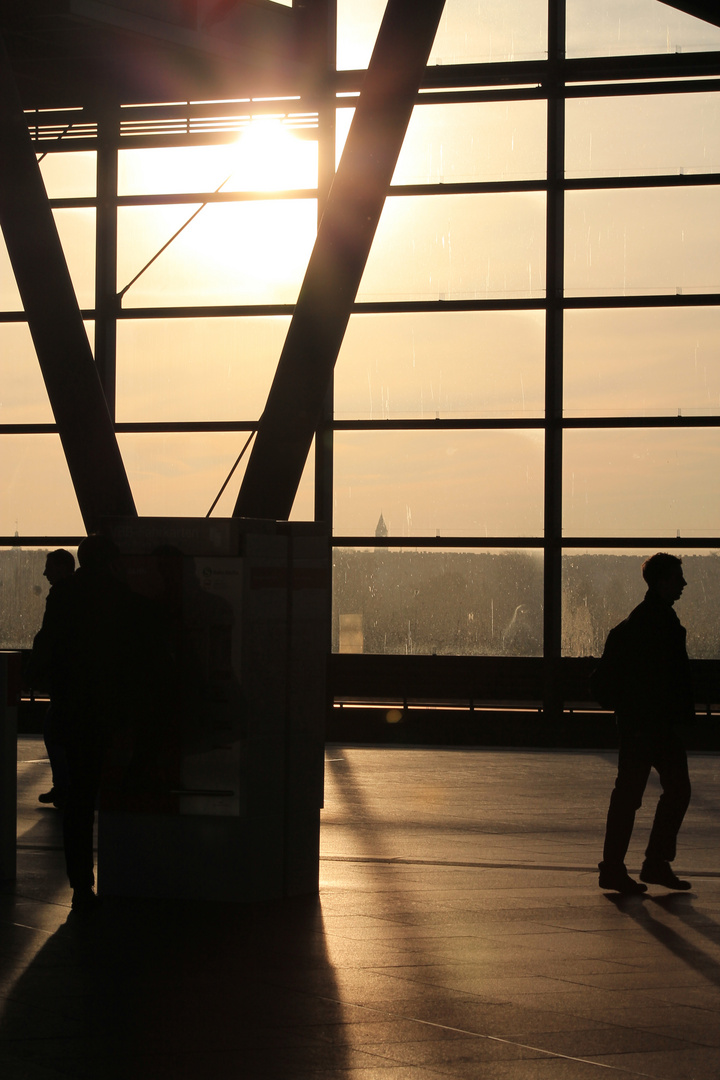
(381, 528)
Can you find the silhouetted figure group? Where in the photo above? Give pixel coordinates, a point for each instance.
(644, 675)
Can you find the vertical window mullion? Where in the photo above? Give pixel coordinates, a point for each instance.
(554, 349)
(323, 510)
(106, 253)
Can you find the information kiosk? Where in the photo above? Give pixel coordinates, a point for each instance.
(213, 786)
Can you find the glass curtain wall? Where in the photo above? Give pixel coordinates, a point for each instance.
(527, 399)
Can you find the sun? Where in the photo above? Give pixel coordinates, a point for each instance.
(268, 156)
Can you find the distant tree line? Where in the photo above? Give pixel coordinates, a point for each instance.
(437, 602)
(449, 603)
(490, 603)
(22, 596)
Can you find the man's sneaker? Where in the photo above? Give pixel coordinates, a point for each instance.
(661, 873)
(617, 879)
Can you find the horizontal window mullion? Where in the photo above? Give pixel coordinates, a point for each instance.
(653, 300)
(438, 541)
(649, 543)
(643, 89)
(195, 197)
(670, 180)
(50, 540)
(169, 427)
(537, 543)
(404, 190)
(670, 422)
(204, 311)
(438, 425)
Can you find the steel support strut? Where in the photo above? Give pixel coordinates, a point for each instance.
(55, 321)
(336, 265)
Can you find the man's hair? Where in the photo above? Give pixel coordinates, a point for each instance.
(660, 566)
(97, 552)
(62, 559)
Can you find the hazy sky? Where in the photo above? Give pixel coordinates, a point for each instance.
(463, 365)
(473, 31)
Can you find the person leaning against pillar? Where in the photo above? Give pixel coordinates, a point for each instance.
(644, 675)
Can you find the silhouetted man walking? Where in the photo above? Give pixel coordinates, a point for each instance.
(646, 662)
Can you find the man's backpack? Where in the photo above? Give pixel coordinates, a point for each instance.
(608, 679)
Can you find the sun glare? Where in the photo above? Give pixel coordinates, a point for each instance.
(270, 157)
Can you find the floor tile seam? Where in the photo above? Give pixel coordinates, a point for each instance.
(24, 845)
(401, 860)
(652, 1029)
(481, 1035)
(651, 991)
(551, 979)
(32, 929)
(639, 990)
(472, 997)
(29, 898)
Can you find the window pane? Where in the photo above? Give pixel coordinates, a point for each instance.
(632, 136)
(264, 156)
(24, 591)
(639, 362)
(500, 140)
(427, 366)
(601, 588)
(629, 27)
(231, 253)
(196, 369)
(39, 498)
(9, 295)
(651, 241)
(173, 169)
(445, 483)
(70, 175)
(474, 32)
(24, 397)
(76, 229)
(449, 603)
(469, 32)
(642, 483)
(180, 474)
(457, 247)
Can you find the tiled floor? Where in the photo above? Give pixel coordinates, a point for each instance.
(459, 932)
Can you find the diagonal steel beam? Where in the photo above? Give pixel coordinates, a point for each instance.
(338, 259)
(54, 319)
(701, 9)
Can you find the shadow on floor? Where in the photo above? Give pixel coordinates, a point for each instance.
(152, 990)
(676, 941)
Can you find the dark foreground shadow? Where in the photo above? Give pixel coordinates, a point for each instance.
(679, 906)
(164, 991)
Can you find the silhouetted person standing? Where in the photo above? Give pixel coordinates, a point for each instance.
(91, 643)
(59, 566)
(653, 699)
